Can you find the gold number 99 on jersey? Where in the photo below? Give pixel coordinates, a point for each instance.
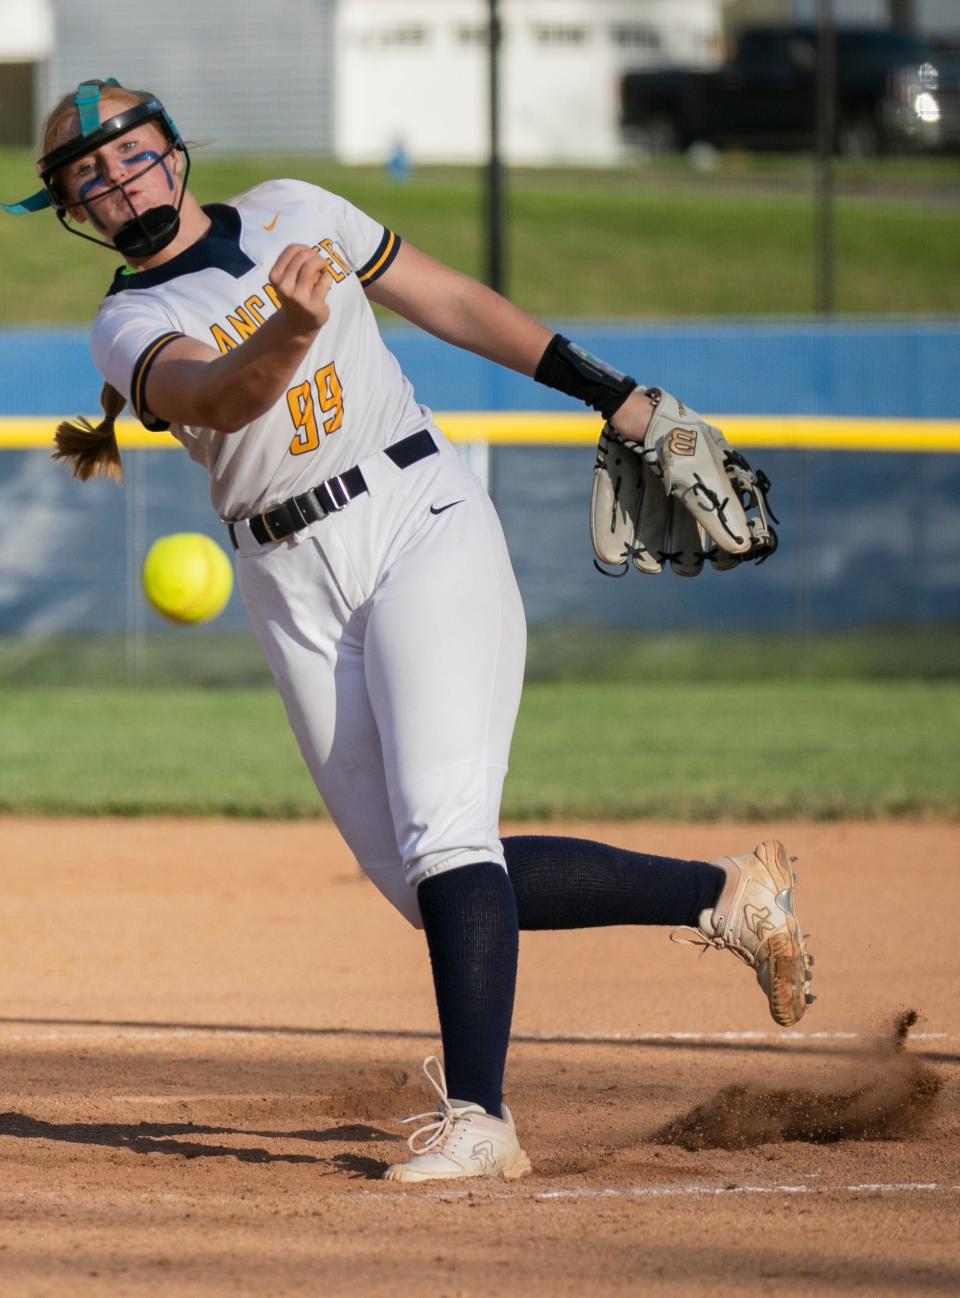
(303, 409)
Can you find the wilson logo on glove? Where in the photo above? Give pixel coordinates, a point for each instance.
(683, 441)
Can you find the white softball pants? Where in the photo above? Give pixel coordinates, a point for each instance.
(397, 639)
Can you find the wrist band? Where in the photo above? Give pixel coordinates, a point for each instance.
(568, 368)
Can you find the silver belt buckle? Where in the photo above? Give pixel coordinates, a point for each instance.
(341, 491)
(268, 529)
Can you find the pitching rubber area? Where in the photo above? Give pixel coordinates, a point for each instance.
(209, 1032)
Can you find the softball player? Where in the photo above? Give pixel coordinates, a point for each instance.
(374, 570)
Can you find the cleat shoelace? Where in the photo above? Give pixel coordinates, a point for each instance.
(443, 1117)
(693, 937)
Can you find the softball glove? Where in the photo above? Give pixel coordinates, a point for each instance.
(681, 497)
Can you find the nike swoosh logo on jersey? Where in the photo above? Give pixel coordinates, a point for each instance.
(269, 227)
(434, 510)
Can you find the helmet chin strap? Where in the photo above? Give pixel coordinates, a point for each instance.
(148, 233)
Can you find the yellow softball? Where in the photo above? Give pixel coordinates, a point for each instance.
(187, 577)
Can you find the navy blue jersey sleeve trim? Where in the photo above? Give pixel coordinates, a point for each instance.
(387, 249)
(138, 383)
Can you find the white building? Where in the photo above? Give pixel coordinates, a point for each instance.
(353, 78)
(26, 30)
(415, 72)
(238, 75)
(26, 39)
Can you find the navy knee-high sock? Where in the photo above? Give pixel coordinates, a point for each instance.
(576, 883)
(470, 920)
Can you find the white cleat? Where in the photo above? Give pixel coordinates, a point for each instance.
(755, 919)
(462, 1140)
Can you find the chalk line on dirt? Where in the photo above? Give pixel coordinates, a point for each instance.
(21, 1030)
(682, 1191)
(388, 1193)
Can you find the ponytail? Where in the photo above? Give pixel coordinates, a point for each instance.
(90, 451)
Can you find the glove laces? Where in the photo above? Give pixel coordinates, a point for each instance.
(443, 1117)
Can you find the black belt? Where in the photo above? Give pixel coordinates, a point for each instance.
(331, 496)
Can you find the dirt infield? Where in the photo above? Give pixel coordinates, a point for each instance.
(209, 1032)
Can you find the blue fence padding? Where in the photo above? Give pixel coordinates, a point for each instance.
(866, 538)
(72, 562)
(890, 369)
(882, 371)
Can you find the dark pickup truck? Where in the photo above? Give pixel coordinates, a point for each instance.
(887, 91)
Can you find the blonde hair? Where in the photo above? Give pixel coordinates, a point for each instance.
(92, 451)
(89, 450)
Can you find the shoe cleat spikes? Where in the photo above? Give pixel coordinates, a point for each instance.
(809, 998)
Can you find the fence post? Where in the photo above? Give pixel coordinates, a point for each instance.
(136, 520)
(824, 291)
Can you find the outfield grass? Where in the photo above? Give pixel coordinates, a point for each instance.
(205, 658)
(763, 750)
(658, 241)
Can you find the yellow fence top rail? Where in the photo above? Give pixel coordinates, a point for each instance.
(526, 428)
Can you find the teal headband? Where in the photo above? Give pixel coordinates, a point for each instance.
(87, 99)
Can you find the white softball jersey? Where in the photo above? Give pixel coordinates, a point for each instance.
(393, 627)
(349, 397)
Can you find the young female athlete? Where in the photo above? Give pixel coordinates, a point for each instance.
(374, 569)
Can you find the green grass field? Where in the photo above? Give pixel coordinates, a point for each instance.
(654, 241)
(825, 749)
(205, 658)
